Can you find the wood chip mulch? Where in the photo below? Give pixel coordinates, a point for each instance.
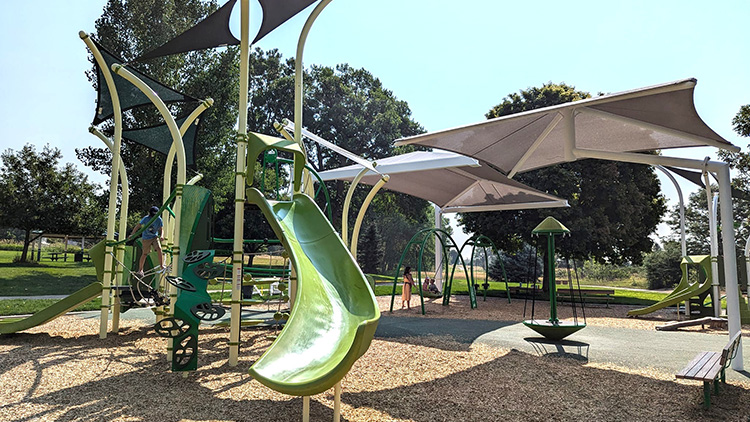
(63, 371)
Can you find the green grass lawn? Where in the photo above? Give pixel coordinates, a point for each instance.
(44, 278)
(62, 278)
(496, 289)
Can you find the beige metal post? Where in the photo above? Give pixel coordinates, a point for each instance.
(120, 249)
(238, 257)
(181, 171)
(117, 139)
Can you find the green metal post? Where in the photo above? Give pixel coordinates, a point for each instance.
(706, 394)
(552, 285)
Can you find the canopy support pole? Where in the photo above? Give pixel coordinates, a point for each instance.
(438, 248)
(181, 176)
(112, 208)
(683, 240)
(298, 78)
(238, 257)
(713, 205)
(120, 249)
(727, 221)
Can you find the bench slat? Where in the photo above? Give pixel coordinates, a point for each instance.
(695, 366)
(711, 369)
(683, 372)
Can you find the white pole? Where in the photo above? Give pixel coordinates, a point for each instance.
(730, 260)
(438, 248)
(683, 241)
(713, 201)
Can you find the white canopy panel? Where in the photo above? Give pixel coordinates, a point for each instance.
(646, 119)
(453, 182)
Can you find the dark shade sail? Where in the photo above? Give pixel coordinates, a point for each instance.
(130, 96)
(210, 32)
(697, 178)
(159, 139)
(276, 12)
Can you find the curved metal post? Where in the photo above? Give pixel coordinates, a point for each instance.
(298, 82)
(177, 140)
(167, 182)
(361, 214)
(347, 204)
(123, 227)
(117, 140)
(683, 241)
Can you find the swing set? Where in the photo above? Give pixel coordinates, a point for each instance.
(447, 243)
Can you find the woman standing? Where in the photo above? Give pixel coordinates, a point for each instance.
(406, 289)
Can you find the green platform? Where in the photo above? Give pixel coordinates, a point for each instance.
(335, 314)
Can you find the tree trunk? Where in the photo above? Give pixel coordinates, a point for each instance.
(26, 242)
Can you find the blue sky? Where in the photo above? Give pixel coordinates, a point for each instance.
(451, 64)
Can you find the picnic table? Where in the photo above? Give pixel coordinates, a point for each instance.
(54, 256)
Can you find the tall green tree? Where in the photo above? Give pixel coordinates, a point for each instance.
(740, 163)
(614, 207)
(370, 250)
(37, 194)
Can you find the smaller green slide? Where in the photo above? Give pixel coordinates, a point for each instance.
(684, 290)
(335, 314)
(90, 292)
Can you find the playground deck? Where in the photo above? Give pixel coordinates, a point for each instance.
(438, 367)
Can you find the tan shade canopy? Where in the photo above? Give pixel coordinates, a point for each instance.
(453, 182)
(646, 119)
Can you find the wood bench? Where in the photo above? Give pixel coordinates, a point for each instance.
(587, 294)
(564, 293)
(711, 367)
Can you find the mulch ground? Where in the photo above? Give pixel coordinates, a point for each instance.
(63, 371)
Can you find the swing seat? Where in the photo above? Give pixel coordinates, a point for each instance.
(556, 330)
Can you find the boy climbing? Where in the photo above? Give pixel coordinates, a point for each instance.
(150, 237)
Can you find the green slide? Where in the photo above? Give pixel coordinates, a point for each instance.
(90, 292)
(334, 316)
(684, 290)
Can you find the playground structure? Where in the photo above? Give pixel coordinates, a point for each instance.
(312, 246)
